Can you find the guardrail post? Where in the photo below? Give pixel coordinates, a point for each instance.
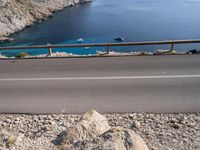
(108, 49)
(49, 50)
(171, 46)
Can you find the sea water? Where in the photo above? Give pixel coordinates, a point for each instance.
(102, 20)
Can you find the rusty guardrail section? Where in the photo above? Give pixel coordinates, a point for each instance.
(107, 45)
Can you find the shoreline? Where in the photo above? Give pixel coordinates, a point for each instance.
(24, 55)
(28, 13)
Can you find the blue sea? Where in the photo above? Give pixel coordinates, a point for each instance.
(101, 20)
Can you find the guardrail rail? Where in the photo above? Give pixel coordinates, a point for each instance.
(107, 45)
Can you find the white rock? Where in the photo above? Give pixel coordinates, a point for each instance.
(91, 125)
(136, 124)
(115, 139)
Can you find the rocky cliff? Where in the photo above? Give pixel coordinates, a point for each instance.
(15, 15)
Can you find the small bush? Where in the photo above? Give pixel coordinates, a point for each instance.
(10, 141)
(22, 55)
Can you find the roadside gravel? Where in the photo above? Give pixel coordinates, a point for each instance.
(159, 131)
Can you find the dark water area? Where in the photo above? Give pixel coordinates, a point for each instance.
(102, 20)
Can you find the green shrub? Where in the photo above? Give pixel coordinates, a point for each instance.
(22, 55)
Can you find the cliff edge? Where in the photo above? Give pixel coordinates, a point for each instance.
(15, 15)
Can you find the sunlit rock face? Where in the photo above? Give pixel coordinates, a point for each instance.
(17, 14)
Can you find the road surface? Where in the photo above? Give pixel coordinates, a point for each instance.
(107, 84)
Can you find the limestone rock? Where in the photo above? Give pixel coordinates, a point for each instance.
(165, 52)
(136, 125)
(6, 39)
(114, 139)
(94, 133)
(91, 125)
(15, 15)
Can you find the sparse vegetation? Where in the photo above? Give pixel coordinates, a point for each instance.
(10, 141)
(6, 139)
(22, 55)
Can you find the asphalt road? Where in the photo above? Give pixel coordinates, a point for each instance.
(107, 84)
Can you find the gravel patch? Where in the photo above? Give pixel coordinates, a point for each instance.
(159, 131)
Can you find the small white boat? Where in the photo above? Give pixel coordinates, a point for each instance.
(80, 40)
(119, 38)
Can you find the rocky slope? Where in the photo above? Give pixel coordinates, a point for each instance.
(15, 15)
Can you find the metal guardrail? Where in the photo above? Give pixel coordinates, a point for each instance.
(107, 45)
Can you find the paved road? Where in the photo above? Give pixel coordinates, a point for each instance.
(114, 84)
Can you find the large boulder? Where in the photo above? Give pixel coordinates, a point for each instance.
(91, 125)
(94, 133)
(114, 139)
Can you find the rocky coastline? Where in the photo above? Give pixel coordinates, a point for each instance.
(24, 55)
(15, 15)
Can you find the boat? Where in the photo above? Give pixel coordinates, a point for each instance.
(119, 38)
(80, 40)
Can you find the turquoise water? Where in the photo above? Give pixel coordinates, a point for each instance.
(102, 20)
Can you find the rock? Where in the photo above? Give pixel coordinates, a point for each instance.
(174, 140)
(131, 116)
(141, 53)
(183, 119)
(114, 139)
(165, 52)
(93, 132)
(135, 124)
(6, 39)
(194, 51)
(191, 124)
(91, 125)
(176, 126)
(15, 15)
